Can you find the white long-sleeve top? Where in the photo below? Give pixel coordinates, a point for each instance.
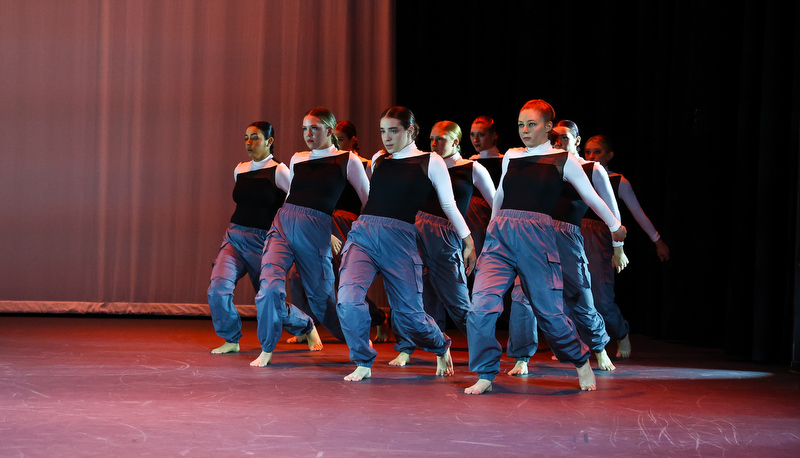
(573, 174)
(356, 174)
(281, 172)
(440, 178)
(487, 153)
(629, 198)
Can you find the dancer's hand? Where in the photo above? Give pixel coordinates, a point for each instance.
(619, 259)
(662, 250)
(469, 254)
(336, 244)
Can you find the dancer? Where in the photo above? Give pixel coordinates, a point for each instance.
(598, 149)
(261, 186)
(444, 280)
(603, 257)
(521, 241)
(384, 240)
(483, 136)
(347, 209)
(346, 136)
(301, 231)
(567, 215)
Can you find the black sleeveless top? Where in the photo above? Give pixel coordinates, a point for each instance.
(461, 179)
(349, 200)
(257, 198)
(533, 183)
(318, 183)
(495, 167)
(398, 187)
(570, 207)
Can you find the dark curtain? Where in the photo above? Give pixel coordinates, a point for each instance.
(701, 101)
(121, 123)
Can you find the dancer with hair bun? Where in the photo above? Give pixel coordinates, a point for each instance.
(578, 301)
(603, 257)
(520, 241)
(347, 210)
(384, 240)
(261, 186)
(483, 136)
(301, 231)
(445, 281)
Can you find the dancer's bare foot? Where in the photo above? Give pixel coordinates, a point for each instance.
(444, 364)
(520, 368)
(603, 361)
(554, 358)
(227, 347)
(263, 359)
(314, 340)
(624, 347)
(400, 360)
(296, 339)
(586, 377)
(382, 334)
(359, 374)
(480, 387)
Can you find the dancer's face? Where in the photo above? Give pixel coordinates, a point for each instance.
(394, 136)
(345, 144)
(316, 134)
(442, 144)
(257, 146)
(595, 152)
(565, 140)
(533, 128)
(481, 138)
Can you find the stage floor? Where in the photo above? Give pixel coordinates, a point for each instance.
(128, 386)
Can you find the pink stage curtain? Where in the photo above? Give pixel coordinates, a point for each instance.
(122, 122)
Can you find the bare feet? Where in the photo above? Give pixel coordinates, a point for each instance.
(586, 377)
(296, 339)
(227, 347)
(382, 334)
(359, 374)
(624, 347)
(554, 358)
(444, 364)
(480, 387)
(263, 359)
(521, 368)
(400, 360)
(314, 340)
(603, 361)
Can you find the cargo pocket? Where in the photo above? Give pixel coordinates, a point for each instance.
(583, 277)
(326, 261)
(555, 280)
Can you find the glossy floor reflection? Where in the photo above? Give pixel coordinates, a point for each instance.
(101, 386)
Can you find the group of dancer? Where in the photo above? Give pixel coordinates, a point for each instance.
(413, 221)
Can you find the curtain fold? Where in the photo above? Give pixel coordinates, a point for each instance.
(122, 122)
